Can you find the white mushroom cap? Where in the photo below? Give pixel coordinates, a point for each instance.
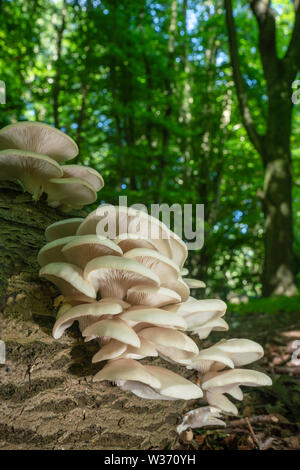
(152, 296)
(170, 343)
(126, 369)
(115, 216)
(215, 384)
(116, 300)
(114, 275)
(220, 401)
(194, 283)
(96, 310)
(40, 138)
(148, 381)
(110, 350)
(84, 248)
(62, 228)
(173, 385)
(52, 251)
(199, 311)
(86, 173)
(165, 268)
(142, 390)
(166, 241)
(217, 324)
(236, 393)
(154, 316)
(115, 349)
(129, 241)
(241, 351)
(178, 286)
(70, 193)
(200, 417)
(128, 220)
(223, 382)
(63, 309)
(146, 349)
(115, 328)
(209, 358)
(68, 278)
(32, 169)
(201, 316)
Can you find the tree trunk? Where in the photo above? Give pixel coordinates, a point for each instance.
(47, 397)
(278, 269)
(274, 146)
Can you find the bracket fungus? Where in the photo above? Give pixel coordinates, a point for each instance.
(120, 273)
(31, 153)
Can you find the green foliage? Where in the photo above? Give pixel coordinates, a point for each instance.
(148, 94)
(269, 305)
(284, 397)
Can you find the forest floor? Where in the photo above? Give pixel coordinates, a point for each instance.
(48, 402)
(269, 418)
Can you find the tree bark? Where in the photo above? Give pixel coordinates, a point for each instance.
(47, 397)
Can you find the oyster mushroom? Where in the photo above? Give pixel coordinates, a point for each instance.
(114, 275)
(153, 316)
(113, 328)
(215, 384)
(226, 353)
(150, 382)
(84, 172)
(62, 228)
(31, 169)
(144, 308)
(39, 138)
(84, 248)
(93, 311)
(52, 251)
(68, 278)
(158, 263)
(128, 220)
(70, 193)
(152, 296)
(171, 344)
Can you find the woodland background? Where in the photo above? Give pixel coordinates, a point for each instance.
(183, 101)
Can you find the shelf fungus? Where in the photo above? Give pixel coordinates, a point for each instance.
(120, 273)
(31, 154)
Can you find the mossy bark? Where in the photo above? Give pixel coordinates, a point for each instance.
(47, 397)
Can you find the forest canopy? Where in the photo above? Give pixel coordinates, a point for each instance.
(157, 96)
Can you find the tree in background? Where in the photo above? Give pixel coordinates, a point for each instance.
(273, 145)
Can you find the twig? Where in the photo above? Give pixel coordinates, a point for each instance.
(255, 420)
(256, 440)
(287, 370)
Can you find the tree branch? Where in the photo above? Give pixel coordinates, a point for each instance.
(292, 56)
(245, 111)
(56, 84)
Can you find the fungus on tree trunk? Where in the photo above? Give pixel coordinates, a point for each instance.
(138, 305)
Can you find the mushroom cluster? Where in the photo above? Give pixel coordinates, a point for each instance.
(31, 153)
(120, 272)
